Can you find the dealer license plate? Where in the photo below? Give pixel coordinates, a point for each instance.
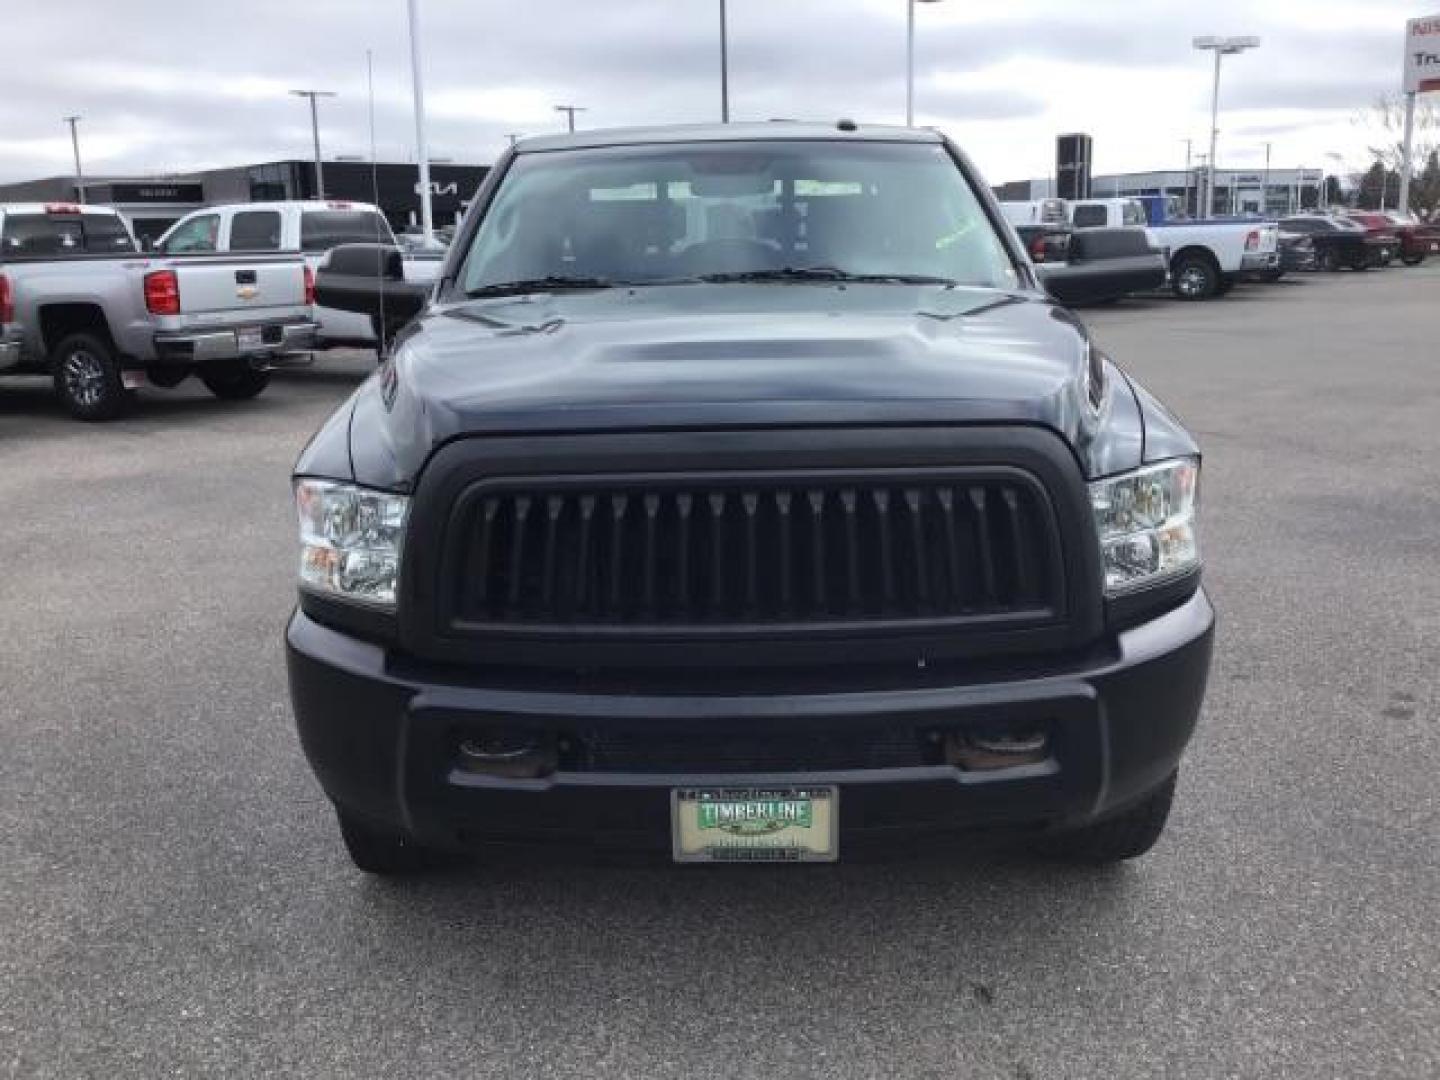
(250, 338)
(739, 825)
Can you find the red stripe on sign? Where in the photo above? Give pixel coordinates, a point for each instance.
(1429, 84)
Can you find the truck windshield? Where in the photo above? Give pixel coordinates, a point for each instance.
(795, 211)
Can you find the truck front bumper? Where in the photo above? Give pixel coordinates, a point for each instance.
(202, 346)
(382, 734)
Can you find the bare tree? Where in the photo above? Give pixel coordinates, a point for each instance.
(1384, 126)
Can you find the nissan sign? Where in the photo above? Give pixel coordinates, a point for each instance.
(1422, 55)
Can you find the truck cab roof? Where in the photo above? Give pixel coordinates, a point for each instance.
(747, 132)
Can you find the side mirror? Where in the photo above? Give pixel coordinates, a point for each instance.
(1105, 264)
(369, 279)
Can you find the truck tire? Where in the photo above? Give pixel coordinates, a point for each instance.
(382, 853)
(1195, 277)
(236, 383)
(1413, 260)
(87, 377)
(1125, 836)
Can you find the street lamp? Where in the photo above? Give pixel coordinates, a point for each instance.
(75, 143)
(315, 131)
(570, 111)
(910, 59)
(1220, 46)
(422, 149)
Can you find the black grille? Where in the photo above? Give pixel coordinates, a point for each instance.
(790, 752)
(754, 550)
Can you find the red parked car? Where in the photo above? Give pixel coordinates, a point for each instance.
(1416, 240)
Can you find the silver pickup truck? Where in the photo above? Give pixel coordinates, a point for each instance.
(103, 319)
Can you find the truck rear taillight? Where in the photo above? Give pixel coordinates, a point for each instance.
(1252, 240)
(1037, 248)
(162, 293)
(7, 301)
(309, 286)
(62, 209)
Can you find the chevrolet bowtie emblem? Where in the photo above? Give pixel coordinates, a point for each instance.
(247, 292)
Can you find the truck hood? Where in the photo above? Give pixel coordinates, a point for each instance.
(716, 356)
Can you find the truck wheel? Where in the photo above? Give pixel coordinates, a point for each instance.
(236, 383)
(1125, 836)
(1195, 278)
(1413, 260)
(386, 854)
(87, 378)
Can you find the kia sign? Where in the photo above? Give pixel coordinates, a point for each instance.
(1422, 55)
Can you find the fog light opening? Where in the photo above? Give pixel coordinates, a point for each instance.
(996, 749)
(507, 752)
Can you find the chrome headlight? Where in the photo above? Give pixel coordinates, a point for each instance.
(350, 540)
(1145, 521)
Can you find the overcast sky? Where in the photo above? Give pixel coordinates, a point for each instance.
(167, 85)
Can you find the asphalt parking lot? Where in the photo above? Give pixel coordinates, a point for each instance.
(177, 902)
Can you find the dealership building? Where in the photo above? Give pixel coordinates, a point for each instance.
(153, 204)
(1272, 192)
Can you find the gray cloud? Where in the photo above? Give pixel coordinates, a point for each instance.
(165, 84)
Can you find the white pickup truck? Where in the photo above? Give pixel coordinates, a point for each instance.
(311, 228)
(1206, 257)
(79, 303)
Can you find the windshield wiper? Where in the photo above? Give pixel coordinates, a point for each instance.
(824, 273)
(553, 282)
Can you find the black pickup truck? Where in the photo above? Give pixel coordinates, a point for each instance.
(737, 493)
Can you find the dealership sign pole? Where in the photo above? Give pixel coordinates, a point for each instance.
(1422, 74)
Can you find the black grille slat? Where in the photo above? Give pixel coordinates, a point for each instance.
(1024, 572)
(983, 545)
(618, 505)
(881, 498)
(756, 550)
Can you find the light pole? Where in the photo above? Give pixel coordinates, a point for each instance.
(1220, 46)
(910, 59)
(75, 144)
(724, 67)
(570, 111)
(422, 151)
(315, 132)
(1265, 185)
(1187, 174)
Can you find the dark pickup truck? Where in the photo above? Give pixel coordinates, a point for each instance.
(737, 493)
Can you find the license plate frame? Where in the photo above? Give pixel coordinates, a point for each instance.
(250, 339)
(761, 823)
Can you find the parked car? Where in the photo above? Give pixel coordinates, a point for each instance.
(1206, 257)
(1415, 240)
(309, 227)
(78, 303)
(1297, 253)
(738, 493)
(1045, 243)
(1380, 228)
(1339, 241)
